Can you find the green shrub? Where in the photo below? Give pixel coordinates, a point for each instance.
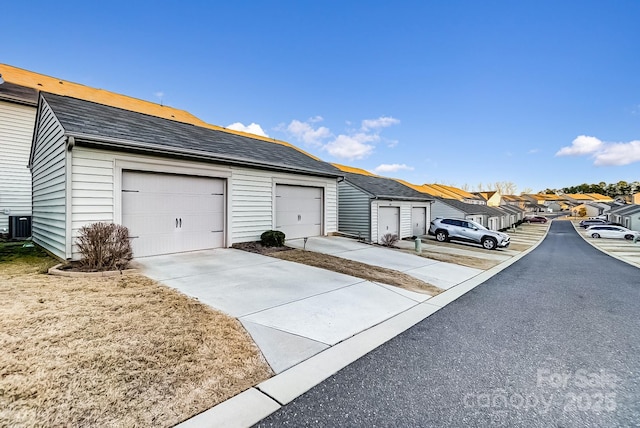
(104, 246)
(272, 238)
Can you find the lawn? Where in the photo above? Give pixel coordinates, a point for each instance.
(359, 270)
(119, 351)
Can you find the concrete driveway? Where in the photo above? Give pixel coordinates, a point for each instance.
(441, 274)
(292, 311)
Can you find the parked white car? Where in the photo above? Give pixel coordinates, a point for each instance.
(610, 231)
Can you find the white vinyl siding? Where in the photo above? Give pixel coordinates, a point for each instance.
(49, 185)
(253, 197)
(16, 131)
(406, 223)
(97, 182)
(354, 216)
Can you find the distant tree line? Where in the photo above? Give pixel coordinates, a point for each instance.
(621, 188)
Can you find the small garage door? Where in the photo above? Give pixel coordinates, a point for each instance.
(388, 221)
(419, 220)
(299, 210)
(168, 213)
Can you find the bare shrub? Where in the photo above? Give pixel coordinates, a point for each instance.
(104, 246)
(389, 240)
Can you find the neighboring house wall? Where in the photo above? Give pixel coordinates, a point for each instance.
(406, 223)
(50, 186)
(16, 131)
(354, 216)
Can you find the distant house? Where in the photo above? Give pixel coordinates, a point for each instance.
(627, 215)
(541, 202)
(176, 186)
(593, 208)
(513, 200)
(370, 206)
(492, 198)
(17, 117)
(514, 213)
(452, 192)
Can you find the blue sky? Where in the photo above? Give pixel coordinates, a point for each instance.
(538, 93)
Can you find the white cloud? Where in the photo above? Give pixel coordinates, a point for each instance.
(582, 145)
(159, 94)
(393, 167)
(253, 128)
(618, 154)
(603, 153)
(353, 144)
(349, 147)
(379, 123)
(533, 151)
(306, 133)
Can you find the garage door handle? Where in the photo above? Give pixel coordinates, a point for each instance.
(180, 223)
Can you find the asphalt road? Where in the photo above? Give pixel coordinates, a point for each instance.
(553, 340)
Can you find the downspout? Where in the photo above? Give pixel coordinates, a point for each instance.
(68, 177)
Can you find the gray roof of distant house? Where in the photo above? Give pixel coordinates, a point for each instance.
(463, 206)
(113, 128)
(385, 188)
(625, 209)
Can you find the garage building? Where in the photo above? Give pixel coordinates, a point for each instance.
(176, 186)
(370, 206)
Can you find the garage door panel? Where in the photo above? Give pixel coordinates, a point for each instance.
(388, 221)
(299, 210)
(172, 213)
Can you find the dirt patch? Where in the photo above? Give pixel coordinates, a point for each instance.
(258, 248)
(468, 261)
(121, 351)
(359, 270)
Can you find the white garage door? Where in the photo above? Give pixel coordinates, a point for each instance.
(419, 220)
(168, 213)
(388, 221)
(299, 210)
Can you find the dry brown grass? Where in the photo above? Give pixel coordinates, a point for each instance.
(359, 270)
(474, 262)
(520, 247)
(121, 351)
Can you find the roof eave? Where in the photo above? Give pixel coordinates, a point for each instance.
(127, 145)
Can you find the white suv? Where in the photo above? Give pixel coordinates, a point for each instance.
(457, 229)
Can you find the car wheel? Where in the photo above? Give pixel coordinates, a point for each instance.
(595, 235)
(441, 236)
(628, 237)
(489, 243)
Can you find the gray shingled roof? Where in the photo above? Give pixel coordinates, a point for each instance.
(385, 188)
(97, 124)
(463, 206)
(625, 209)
